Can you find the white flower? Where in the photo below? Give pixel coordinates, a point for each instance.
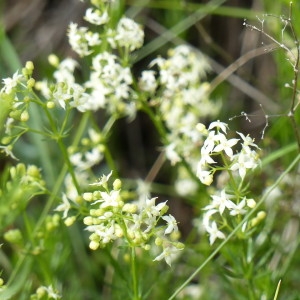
(220, 202)
(78, 40)
(169, 253)
(96, 17)
(205, 157)
(172, 224)
(214, 232)
(109, 199)
(10, 83)
(64, 206)
(205, 176)
(103, 180)
(248, 141)
(225, 145)
(210, 142)
(172, 154)
(147, 81)
(219, 125)
(51, 293)
(244, 161)
(152, 209)
(237, 209)
(129, 34)
(62, 94)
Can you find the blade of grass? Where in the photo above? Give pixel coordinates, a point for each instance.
(178, 28)
(226, 11)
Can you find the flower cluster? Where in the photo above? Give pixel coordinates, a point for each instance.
(46, 292)
(224, 213)
(217, 144)
(109, 84)
(141, 223)
(14, 101)
(180, 94)
(230, 203)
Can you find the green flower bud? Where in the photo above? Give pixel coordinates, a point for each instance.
(30, 83)
(94, 245)
(33, 171)
(70, 221)
(24, 116)
(29, 65)
(88, 196)
(13, 236)
(6, 140)
(53, 60)
(158, 241)
(88, 221)
(117, 184)
(50, 104)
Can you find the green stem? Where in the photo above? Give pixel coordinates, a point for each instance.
(135, 284)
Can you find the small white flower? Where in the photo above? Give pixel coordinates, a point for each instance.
(64, 206)
(109, 199)
(103, 180)
(10, 83)
(214, 232)
(152, 209)
(169, 253)
(219, 125)
(220, 202)
(172, 224)
(96, 17)
(248, 141)
(237, 209)
(129, 34)
(244, 161)
(225, 145)
(147, 81)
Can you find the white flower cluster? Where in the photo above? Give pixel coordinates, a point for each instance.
(217, 144)
(217, 154)
(180, 95)
(14, 101)
(111, 219)
(109, 83)
(46, 292)
(224, 204)
(127, 34)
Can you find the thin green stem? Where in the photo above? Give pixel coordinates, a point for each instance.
(135, 284)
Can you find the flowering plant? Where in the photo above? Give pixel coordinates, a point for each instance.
(77, 223)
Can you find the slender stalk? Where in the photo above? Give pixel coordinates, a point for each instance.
(135, 284)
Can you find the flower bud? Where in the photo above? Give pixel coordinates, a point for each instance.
(88, 196)
(94, 245)
(117, 184)
(70, 221)
(24, 116)
(13, 236)
(29, 65)
(53, 60)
